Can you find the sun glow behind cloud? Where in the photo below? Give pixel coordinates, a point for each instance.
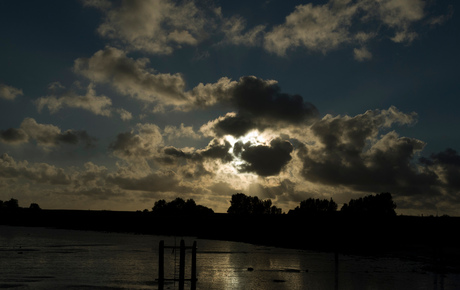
(252, 138)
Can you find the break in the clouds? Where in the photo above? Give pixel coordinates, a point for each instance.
(9, 92)
(45, 135)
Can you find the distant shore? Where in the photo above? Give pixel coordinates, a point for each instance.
(431, 238)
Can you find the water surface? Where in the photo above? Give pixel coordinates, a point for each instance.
(42, 258)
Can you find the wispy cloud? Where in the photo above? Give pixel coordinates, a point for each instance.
(154, 26)
(9, 92)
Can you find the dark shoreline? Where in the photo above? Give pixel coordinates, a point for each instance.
(434, 239)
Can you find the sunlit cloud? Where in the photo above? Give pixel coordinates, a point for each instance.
(9, 92)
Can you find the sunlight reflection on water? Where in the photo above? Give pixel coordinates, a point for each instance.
(39, 258)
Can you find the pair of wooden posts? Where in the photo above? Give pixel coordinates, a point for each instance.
(181, 279)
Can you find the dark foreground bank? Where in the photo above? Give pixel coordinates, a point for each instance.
(434, 238)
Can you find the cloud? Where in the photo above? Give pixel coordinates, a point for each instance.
(172, 132)
(98, 105)
(315, 27)
(9, 92)
(322, 28)
(142, 143)
(259, 104)
(154, 26)
(264, 160)
(124, 115)
(352, 152)
(446, 165)
(233, 29)
(46, 135)
(441, 19)
(400, 15)
(101, 4)
(38, 172)
(13, 136)
(131, 77)
(153, 182)
(362, 54)
(216, 149)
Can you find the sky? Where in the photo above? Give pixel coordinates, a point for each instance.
(114, 105)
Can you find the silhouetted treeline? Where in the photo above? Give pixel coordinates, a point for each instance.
(13, 205)
(380, 205)
(180, 207)
(315, 207)
(241, 204)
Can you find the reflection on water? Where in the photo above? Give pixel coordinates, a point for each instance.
(39, 258)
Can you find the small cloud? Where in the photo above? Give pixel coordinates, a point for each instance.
(9, 92)
(124, 115)
(362, 54)
(99, 105)
(172, 132)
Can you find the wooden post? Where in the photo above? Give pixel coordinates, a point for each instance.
(193, 278)
(161, 269)
(336, 258)
(182, 265)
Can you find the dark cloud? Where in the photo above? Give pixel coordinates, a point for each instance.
(144, 143)
(265, 160)
(153, 182)
(13, 135)
(44, 135)
(214, 150)
(260, 104)
(446, 165)
(172, 151)
(75, 137)
(353, 152)
(263, 99)
(236, 126)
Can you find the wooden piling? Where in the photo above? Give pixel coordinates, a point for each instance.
(182, 248)
(336, 274)
(182, 265)
(193, 278)
(161, 265)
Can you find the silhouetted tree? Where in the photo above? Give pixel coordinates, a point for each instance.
(180, 207)
(34, 207)
(314, 207)
(11, 204)
(241, 204)
(380, 205)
